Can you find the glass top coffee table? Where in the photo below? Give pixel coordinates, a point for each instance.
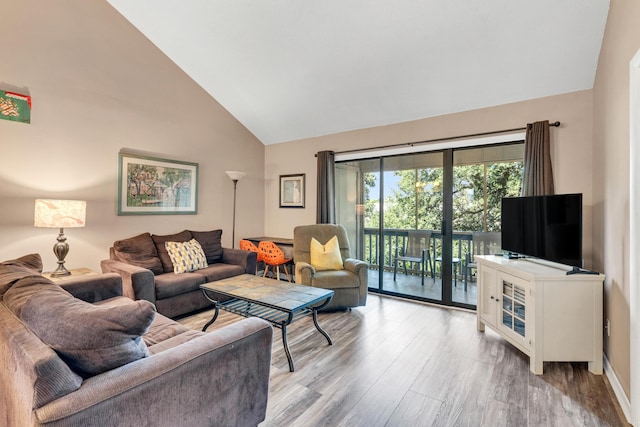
(280, 303)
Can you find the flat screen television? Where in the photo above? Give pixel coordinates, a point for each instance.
(545, 227)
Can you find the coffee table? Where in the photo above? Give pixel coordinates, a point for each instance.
(280, 303)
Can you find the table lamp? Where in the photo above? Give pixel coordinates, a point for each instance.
(235, 177)
(60, 214)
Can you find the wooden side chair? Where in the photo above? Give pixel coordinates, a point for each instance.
(247, 245)
(273, 256)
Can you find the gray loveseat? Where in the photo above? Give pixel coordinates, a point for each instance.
(148, 272)
(65, 362)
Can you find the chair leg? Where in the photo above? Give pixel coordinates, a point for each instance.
(266, 269)
(286, 270)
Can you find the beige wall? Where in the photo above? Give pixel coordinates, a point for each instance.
(99, 86)
(611, 177)
(571, 151)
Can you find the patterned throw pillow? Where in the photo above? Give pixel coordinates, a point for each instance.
(186, 256)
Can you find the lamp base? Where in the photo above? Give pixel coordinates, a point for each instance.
(61, 271)
(61, 249)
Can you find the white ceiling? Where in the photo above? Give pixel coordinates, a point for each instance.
(293, 69)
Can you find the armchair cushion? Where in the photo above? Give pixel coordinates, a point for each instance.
(91, 339)
(139, 251)
(186, 256)
(183, 236)
(327, 256)
(211, 242)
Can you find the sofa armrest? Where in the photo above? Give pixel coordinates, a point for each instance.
(220, 378)
(94, 288)
(304, 273)
(137, 282)
(245, 259)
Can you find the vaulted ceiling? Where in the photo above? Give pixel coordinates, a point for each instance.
(294, 69)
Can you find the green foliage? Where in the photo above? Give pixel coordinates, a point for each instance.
(417, 201)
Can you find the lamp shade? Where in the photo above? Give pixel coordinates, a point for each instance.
(235, 175)
(60, 213)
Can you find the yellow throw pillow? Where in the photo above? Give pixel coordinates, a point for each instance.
(327, 256)
(186, 256)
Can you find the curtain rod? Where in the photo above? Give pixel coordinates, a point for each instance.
(448, 138)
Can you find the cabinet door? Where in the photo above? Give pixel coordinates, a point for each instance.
(515, 312)
(488, 295)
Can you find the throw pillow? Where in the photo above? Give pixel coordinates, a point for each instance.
(183, 236)
(140, 251)
(327, 256)
(91, 339)
(186, 256)
(211, 244)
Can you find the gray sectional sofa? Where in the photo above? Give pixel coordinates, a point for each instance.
(148, 272)
(79, 354)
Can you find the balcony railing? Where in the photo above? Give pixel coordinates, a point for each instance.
(397, 238)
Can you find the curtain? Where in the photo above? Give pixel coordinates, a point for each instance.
(326, 213)
(537, 179)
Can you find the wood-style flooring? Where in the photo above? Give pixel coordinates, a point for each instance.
(403, 363)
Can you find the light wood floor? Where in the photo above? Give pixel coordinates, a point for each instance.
(402, 363)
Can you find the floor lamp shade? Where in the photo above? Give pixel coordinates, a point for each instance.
(60, 214)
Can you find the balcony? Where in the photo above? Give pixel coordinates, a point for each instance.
(410, 284)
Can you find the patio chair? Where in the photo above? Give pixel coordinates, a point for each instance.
(484, 243)
(417, 251)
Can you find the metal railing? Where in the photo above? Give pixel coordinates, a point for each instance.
(397, 238)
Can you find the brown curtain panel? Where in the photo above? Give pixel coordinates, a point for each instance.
(326, 213)
(537, 179)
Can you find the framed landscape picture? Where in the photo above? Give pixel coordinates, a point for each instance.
(152, 186)
(292, 191)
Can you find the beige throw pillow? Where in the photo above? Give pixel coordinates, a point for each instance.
(186, 256)
(327, 256)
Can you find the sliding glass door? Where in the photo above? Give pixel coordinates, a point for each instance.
(419, 219)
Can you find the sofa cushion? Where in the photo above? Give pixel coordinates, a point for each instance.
(211, 242)
(220, 271)
(15, 269)
(91, 339)
(160, 240)
(140, 251)
(169, 284)
(186, 256)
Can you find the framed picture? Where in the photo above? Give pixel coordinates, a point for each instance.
(292, 191)
(151, 186)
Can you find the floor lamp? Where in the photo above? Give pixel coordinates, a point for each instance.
(235, 177)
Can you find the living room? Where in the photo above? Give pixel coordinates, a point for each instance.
(99, 87)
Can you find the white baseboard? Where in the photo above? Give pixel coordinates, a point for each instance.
(617, 389)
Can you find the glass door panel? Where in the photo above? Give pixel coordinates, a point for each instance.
(481, 178)
(358, 209)
(412, 214)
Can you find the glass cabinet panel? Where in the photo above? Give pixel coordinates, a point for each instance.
(514, 307)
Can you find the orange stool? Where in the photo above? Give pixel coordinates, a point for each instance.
(273, 256)
(248, 245)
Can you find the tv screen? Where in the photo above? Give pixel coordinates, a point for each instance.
(546, 227)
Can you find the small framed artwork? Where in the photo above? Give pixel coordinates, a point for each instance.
(152, 186)
(292, 191)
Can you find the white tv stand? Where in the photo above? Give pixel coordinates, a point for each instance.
(548, 315)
